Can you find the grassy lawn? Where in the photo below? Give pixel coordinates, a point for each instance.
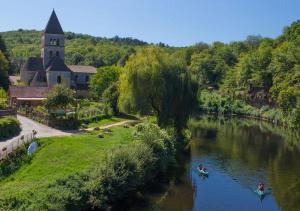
(59, 157)
(103, 122)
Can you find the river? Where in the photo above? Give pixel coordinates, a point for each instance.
(238, 154)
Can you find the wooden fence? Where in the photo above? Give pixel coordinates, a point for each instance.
(8, 148)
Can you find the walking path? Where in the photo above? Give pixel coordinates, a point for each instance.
(28, 125)
(115, 124)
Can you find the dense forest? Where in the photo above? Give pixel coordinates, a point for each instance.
(257, 77)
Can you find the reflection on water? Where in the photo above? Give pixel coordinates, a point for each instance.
(238, 154)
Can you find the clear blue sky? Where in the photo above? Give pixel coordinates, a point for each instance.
(175, 22)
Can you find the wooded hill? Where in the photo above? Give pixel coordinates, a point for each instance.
(80, 48)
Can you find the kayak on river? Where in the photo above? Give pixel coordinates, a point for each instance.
(202, 170)
(261, 192)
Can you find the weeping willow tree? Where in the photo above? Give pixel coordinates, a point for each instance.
(155, 82)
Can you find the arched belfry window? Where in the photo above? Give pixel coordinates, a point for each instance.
(57, 42)
(57, 53)
(58, 79)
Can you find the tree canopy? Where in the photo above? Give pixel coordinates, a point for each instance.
(4, 65)
(154, 81)
(104, 77)
(59, 97)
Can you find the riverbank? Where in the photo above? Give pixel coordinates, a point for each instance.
(85, 171)
(212, 103)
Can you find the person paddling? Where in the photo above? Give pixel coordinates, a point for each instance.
(201, 167)
(261, 187)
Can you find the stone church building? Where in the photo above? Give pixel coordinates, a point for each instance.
(41, 73)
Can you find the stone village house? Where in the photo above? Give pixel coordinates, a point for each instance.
(40, 74)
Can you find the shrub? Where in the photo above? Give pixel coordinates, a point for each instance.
(9, 126)
(123, 171)
(14, 161)
(294, 120)
(3, 99)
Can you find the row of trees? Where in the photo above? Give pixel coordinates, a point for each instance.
(259, 71)
(4, 65)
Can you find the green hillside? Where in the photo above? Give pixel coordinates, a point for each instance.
(80, 49)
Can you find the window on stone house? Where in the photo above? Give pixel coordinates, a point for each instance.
(87, 78)
(58, 79)
(57, 53)
(51, 54)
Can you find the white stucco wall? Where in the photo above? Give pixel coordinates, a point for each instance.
(65, 78)
(81, 79)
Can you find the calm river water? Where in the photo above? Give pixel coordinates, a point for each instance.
(238, 155)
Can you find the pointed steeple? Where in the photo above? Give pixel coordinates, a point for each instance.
(53, 25)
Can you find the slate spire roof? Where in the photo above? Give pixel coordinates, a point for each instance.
(33, 64)
(39, 79)
(53, 25)
(57, 64)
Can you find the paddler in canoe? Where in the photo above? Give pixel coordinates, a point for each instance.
(261, 187)
(202, 169)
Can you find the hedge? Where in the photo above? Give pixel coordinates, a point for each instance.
(9, 127)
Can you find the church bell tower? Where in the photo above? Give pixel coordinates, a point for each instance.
(53, 41)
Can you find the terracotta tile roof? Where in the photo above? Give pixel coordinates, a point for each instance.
(82, 69)
(53, 25)
(28, 91)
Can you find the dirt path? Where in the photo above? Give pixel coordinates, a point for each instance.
(115, 124)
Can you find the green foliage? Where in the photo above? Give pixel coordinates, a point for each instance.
(286, 66)
(103, 79)
(3, 99)
(123, 171)
(208, 69)
(80, 49)
(14, 161)
(59, 97)
(154, 81)
(110, 97)
(212, 102)
(127, 169)
(9, 126)
(4, 65)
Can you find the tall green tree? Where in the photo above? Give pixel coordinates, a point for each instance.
(59, 97)
(110, 97)
(3, 99)
(153, 81)
(209, 69)
(4, 66)
(104, 78)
